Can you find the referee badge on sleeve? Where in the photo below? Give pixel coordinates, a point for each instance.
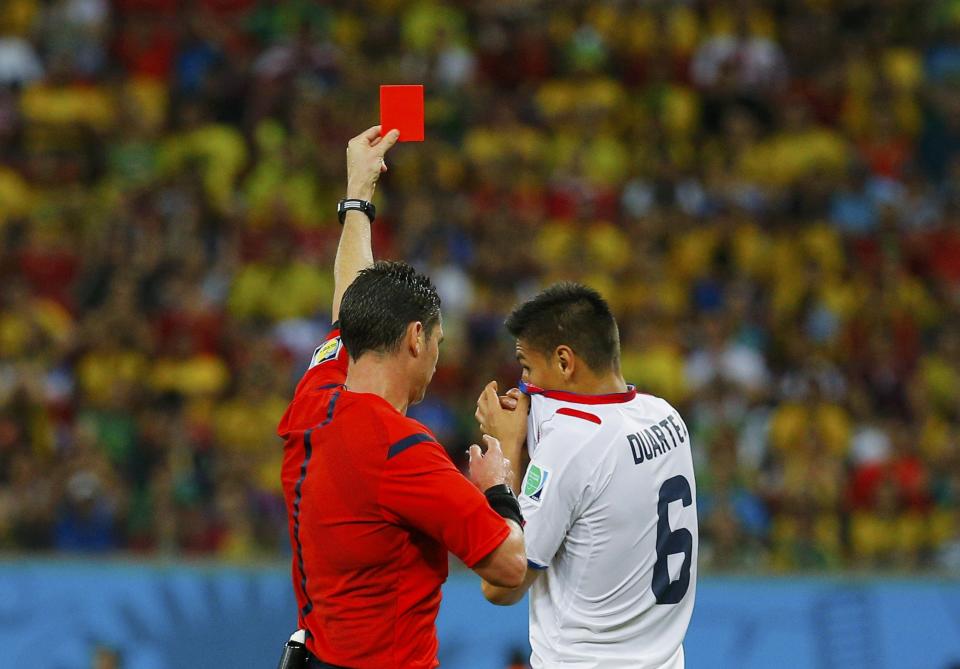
(535, 482)
(329, 350)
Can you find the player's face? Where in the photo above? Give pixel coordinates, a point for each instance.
(433, 338)
(537, 368)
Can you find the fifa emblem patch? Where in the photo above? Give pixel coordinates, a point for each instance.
(535, 482)
(329, 350)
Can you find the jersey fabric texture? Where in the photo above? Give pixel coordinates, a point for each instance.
(609, 500)
(374, 504)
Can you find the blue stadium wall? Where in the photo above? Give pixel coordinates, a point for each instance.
(53, 614)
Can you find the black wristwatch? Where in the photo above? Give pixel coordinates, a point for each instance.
(503, 501)
(345, 205)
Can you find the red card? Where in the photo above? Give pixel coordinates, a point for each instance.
(401, 107)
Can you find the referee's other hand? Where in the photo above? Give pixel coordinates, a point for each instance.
(490, 468)
(366, 162)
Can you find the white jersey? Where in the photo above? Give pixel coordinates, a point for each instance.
(611, 517)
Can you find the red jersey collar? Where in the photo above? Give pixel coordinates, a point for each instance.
(578, 398)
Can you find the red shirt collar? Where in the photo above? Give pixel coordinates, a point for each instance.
(578, 398)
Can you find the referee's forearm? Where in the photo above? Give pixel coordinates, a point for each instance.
(354, 252)
(365, 164)
(506, 565)
(505, 594)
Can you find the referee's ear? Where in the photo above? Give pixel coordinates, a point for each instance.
(415, 338)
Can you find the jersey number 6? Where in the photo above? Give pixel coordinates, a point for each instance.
(671, 542)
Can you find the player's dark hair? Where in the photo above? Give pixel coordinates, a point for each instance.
(571, 314)
(381, 302)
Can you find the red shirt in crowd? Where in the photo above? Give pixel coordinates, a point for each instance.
(374, 504)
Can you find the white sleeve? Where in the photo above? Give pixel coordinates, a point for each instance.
(550, 498)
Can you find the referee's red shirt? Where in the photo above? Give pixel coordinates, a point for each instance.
(374, 504)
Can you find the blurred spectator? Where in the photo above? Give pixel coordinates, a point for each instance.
(740, 61)
(19, 63)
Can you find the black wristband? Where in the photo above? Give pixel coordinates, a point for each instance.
(346, 204)
(503, 501)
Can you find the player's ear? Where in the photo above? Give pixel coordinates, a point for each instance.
(415, 338)
(566, 360)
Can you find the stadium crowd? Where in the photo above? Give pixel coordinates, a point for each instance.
(768, 193)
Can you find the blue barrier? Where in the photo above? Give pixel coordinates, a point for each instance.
(53, 614)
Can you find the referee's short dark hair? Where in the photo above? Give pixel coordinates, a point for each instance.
(571, 314)
(381, 302)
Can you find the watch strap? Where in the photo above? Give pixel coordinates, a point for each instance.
(364, 206)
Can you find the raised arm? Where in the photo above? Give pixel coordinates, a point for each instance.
(365, 164)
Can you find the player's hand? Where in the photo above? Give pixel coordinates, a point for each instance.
(490, 468)
(365, 161)
(511, 399)
(509, 425)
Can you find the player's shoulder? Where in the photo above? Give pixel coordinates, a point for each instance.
(586, 422)
(575, 420)
(652, 404)
(591, 409)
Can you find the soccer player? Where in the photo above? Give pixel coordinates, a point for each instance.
(374, 502)
(609, 496)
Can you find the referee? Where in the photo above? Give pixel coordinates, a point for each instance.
(373, 501)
